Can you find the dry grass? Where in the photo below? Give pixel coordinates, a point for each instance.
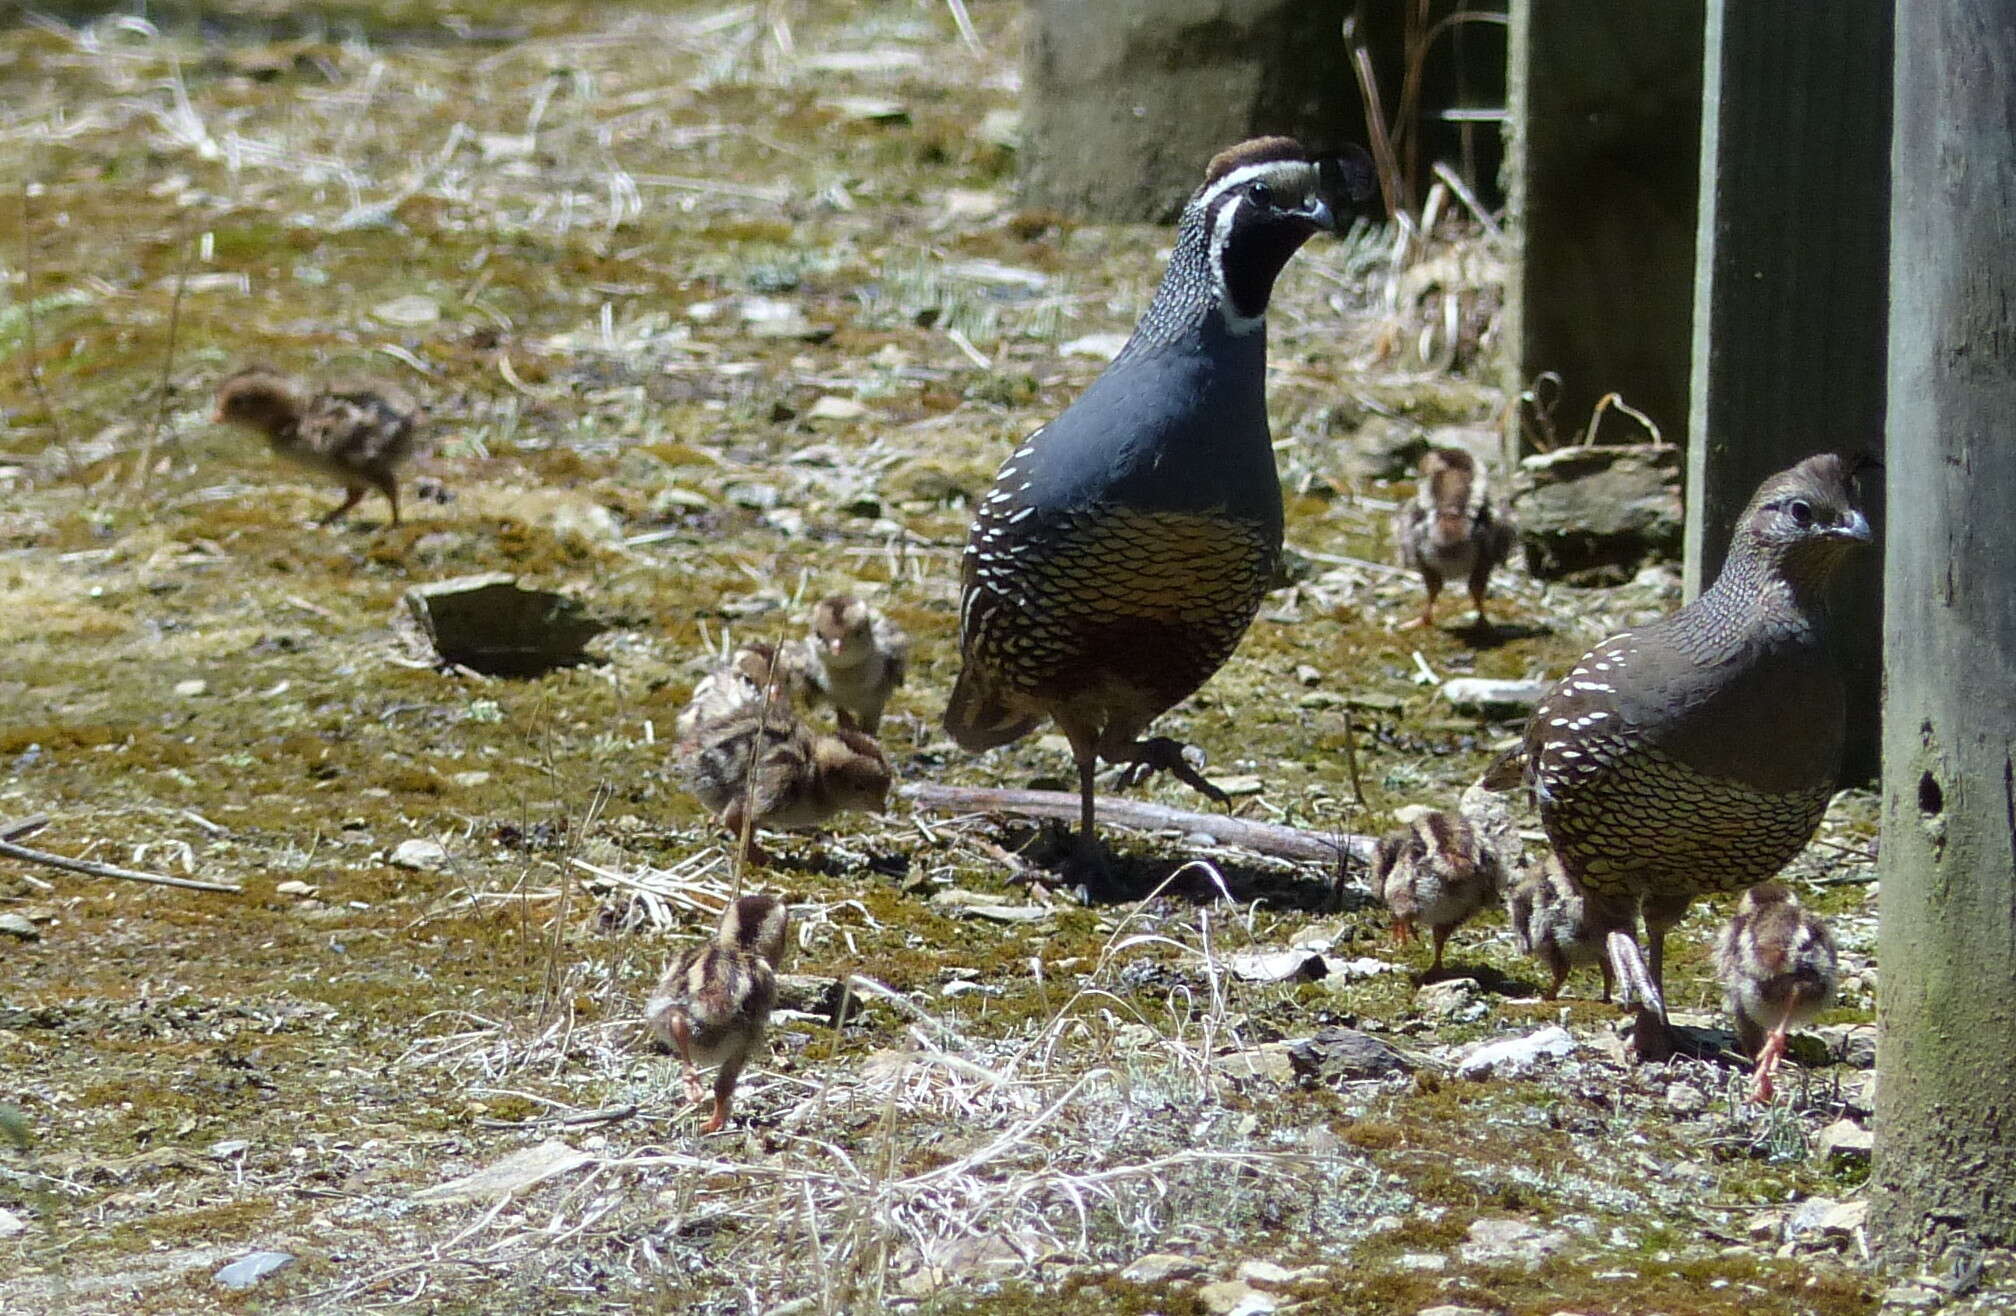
(626, 252)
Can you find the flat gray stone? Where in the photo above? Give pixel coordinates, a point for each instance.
(1494, 698)
(1595, 514)
(491, 623)
(1231, 1297)
(1161, 1268)
(1848, 1140)
(1510, 1055)
(248, 1270)
(1346, 1055)
(1518, 1241)
(420, 855)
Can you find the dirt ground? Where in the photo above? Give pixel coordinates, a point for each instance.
(716, 310)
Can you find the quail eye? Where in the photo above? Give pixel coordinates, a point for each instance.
(1262, 194)
(1801, 511)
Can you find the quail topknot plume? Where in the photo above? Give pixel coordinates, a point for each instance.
(714, 1002)
(1778, 968)
(1452, 529)
(357, 434)
(1125, 546)
(1698, 754)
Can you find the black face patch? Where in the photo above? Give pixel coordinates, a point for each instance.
(1259, 245)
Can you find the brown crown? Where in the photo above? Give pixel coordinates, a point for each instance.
(1260, 150)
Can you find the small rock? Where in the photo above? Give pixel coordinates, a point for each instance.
(875, 109)
(15, 925)
(190, 689)
(1102, 347)
(1509, 1240)
(1265, 1274)
(1686, 1099)
(422, 856)
(1912, 1297)
(836, 408)
(1493, 698)
(11, 1224)
(1449, 1310)
(1307, 675)
(1852, 1044)
(492, 624)
(1846, 1139)
(468, 780)
(1235, 786)
(1510, 1055)
(519, 1170)
(412, 309)
(225, 1150)
(1233, 1297)
(1824, 1216)
(1352, 970)
(293, 887)
(1593, 514)
(1425, 1261)
(249, 1270)
(1345, 1055)
(1276, 965)
(1270, 1061)
(1448, 998)
(1161, 1268)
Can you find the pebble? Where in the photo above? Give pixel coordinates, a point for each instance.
(1449, 998)
(1848, 1140)
(191, 689)
(1276, 965)
(1494, 698)
(1231, 1297)
(420, 855)
(1824, 1215)
(1161, 1268)
(1509, 1240)
(1421, 1261)
(1686, 1099)
(1447, 1309)
(248, 1270)
(15, 925)
(832, 407)
(11, 1224)
(1266, 1273)
(1509, 1055)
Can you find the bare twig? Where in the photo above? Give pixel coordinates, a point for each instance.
(8, 850)
(137, 482)
(21, 827)
(1264, 838)
(30, 327)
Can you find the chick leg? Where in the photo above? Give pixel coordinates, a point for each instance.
(1478, 580)
(1427, 617)
(682, 1041)
(390, 488)
(351, 497)
(724, 1091)
(1440, 933)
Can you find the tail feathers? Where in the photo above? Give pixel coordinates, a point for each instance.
(977, 719)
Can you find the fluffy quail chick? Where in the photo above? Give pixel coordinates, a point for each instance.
(740, 682)
(857, 658)
(1548, 923)
(357, 434)
(712, 1005)
(1778, 967)
(1452, 529)
(768, 768)
(1436, 871)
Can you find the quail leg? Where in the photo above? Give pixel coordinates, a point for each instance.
(682, 1041)
(1086, 866)
(1768, 1056)
(724, 1094)
(1441, 935)
(1163, 754)
(351, 497)
(1427, 617)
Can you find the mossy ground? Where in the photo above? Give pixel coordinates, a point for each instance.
(589, 199)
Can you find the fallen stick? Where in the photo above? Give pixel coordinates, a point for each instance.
(8, 850)
(1263, 838)
(21, 827)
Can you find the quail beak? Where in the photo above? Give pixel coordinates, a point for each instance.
(1854, 529)
(217, 415)
(1317, 214)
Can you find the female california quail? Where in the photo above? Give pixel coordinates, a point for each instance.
(1452, 528)
(1778, 967)
(358, 434)
(714, 1002)
(1438, 871)
(1126, 545)
(854, 659)
(1698, 753)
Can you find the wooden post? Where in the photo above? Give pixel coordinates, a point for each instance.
(1945, 1169)
(1603, 160)
(1790, 287)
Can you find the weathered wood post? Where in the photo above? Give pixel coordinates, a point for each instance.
(1790, 293)
(1945, 1166)
(1602, 162)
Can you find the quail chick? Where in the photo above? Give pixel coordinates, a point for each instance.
(1452, 529)
(856, 657)
(714, 1002)
(1778, 967)
(741, 681)
(357, 434)
(1699, 753)
(1126, 545)
(769, 769)
(1549, 924)
(1436, 871)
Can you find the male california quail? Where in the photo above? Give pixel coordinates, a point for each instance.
(1698, 753)
(766, 766)
(1126, 545)
(358, 434)
(714, 1002)
(1452, 528)
(854, 659)
(1778, 967)
(1437, 870)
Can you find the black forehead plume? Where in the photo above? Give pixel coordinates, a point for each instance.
(1261, 150)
